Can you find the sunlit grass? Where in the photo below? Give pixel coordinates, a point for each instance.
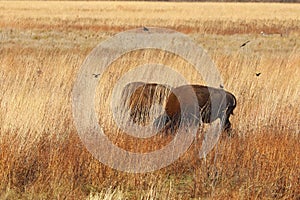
(41, 155)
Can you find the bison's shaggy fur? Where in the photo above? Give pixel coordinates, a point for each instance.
(140, 97)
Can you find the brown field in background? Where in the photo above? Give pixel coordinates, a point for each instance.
(42, 46)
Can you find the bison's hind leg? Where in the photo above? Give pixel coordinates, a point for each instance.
(227, 128)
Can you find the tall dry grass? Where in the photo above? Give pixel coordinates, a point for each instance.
(111, 17)
(41, 155)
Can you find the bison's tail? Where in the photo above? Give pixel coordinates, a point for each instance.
(234, 99)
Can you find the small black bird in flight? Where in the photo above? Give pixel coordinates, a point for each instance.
(145, 28)
(39, 71)
(96, 75)
(244, 44)
(257, 74)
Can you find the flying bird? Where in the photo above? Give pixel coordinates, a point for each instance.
(244, 44)
(257, 74)
(96, 75)
(145, 28)
(221, 86)
(39, 71)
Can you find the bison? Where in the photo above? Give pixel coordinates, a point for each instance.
(195, 103)
(140, 97)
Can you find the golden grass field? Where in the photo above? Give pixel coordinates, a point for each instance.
(42, 46)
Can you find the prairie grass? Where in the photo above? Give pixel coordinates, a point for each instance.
(42, 46)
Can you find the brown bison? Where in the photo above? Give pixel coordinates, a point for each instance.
(193, 103)
(140, 97)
